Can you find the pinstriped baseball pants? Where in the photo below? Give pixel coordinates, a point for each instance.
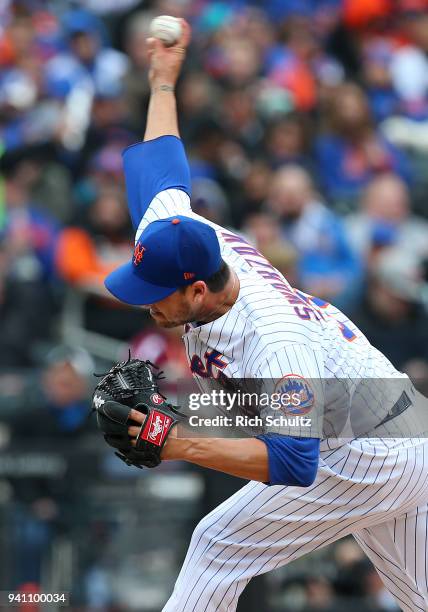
(376, 490)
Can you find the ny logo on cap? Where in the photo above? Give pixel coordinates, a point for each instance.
(138, 254)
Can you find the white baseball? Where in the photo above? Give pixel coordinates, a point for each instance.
(167, 29)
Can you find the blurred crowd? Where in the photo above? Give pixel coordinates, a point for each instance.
(306, 127)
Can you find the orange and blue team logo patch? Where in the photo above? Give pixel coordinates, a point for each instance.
(297, 396)
(138, 254)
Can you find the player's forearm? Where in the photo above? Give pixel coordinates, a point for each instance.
(162, 115)
(165, 68)
(245, 458)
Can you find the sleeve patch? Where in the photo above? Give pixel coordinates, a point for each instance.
(297, 396)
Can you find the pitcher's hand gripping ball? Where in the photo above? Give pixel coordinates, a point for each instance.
(167, 29)
(133, 384)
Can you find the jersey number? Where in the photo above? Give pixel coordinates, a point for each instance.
(346, 332)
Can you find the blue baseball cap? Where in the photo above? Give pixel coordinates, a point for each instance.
(79, 21)
(170, 253)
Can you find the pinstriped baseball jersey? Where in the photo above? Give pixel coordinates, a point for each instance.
(273, 330)
(269, 315)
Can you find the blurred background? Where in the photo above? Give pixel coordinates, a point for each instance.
(306, 126)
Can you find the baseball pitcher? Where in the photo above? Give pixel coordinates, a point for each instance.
(361, 470)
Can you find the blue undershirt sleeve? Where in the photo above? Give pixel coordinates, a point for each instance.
(292, 461)
(151, 167)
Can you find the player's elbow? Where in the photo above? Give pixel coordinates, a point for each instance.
(302, 474)
(308, 475)
(292, 461)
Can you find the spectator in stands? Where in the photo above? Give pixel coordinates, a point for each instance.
(209, 200)
(288, 64)
(241, 119)
(199, 98)
(101, 239)
(87, 253)
(28, 244)
(239, 62)
(327, 265)
(351, 151)
(319, 595)
(263, 230)
(300, 62)
(66, 387)
(287, 142)
(108, 127)
(17, 41)
(284, 258)
(135, 81)
(376, 62)
(393, 314)
(31, 234)
(26, 307)
(386, 219)
(163, 347)
(53, 398)
(409, 67)
(26, 115)
(86, 58)
(254, 191)
(45, 408)
(356, 583)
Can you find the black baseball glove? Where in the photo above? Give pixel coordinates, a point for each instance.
(133, 384)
